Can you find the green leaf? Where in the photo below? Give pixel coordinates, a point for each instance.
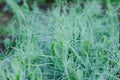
(53, 49)
(8, 43)
(79, 74)
(59, 49)
(85, 47)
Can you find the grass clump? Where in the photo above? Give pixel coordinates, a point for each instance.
(66, 43)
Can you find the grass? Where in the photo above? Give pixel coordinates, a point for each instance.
(75, 44)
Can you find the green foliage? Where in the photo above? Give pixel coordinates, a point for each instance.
(72, 45)
(4, 31)
(111, 1)
(38, 1)
(2, 1)
(8, 44)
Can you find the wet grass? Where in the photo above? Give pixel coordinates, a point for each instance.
(75, 44)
